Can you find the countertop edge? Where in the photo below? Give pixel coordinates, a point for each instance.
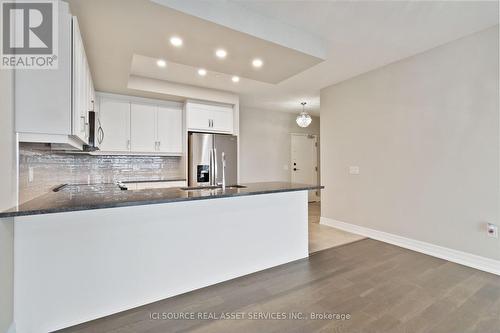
(149, 202)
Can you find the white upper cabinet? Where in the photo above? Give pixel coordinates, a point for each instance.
(222, 119)
(198, 118)
(83, 96)
(52, 105)
(146, 127)
(169, 130)
(209, 118)
(143, 127)
(114, 117)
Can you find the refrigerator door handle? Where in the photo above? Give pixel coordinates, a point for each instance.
(211, 166)
(216, 173)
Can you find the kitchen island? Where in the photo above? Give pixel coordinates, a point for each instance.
(90, 251)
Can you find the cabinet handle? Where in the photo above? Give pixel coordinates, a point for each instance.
(128, 144)
(85, 122)
(159, 145)
(100, 135)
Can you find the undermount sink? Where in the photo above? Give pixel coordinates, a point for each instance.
(195, 188)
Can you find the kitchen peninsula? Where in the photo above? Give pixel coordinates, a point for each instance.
(87, 253)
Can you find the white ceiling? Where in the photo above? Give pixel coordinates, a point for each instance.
(360, 36)
(114, 30)
(125, 37)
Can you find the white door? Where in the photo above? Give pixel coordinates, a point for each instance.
(169, 130)
(304, 160)
(143, 127)
(115, 122)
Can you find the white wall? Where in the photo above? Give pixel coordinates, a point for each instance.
(7, 196)
(265, 144)
(425, 133)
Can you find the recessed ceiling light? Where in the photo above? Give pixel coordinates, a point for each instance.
(257, 63)
(221, 53)
(176, 41)
(202, 72)
(235, 79)
(161, 63)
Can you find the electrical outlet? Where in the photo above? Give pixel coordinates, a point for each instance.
(31, 175)
(492, 230)
(354, 170)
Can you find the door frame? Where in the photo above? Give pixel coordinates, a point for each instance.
(317, 146)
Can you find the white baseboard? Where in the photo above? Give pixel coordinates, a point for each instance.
(459, 257)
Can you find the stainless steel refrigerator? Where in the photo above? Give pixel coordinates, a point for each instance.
(205, 159)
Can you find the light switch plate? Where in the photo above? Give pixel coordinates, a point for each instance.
(354, 170)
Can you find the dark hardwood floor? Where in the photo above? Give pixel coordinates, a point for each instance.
(382, 287)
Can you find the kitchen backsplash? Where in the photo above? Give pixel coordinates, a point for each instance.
(50, 169)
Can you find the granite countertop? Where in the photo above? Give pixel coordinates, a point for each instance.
(87, 197)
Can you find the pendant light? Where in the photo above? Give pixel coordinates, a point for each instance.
(303, 119)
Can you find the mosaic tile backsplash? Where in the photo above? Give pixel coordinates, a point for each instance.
(52, 168)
